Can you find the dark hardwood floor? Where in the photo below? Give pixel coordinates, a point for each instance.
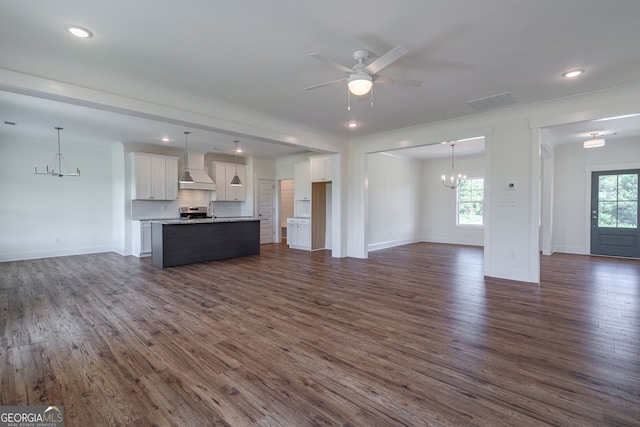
(413, 336)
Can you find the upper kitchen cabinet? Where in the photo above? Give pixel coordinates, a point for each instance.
(302, 181)
(321, 169)
(224, 173)
(153, 177)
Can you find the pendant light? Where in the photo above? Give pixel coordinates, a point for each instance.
(186, 178)
(59, 160)
(235, 182)
(453, 181)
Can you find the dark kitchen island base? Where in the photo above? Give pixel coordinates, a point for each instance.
(176, 243)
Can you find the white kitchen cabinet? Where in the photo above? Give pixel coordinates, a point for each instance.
(171, 178)
(302, 181)
(236, 193)
(299, 233)
(321, 169)
(223, 173)
(153, 177)
(141, 244)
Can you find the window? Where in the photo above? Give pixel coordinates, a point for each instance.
(470, 201)
(618, 201)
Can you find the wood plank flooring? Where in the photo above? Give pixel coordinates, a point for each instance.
(413, 336)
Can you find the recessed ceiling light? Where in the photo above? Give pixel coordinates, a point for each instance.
(572, 73)
(78, 31)
(353, 124)
(165, 139)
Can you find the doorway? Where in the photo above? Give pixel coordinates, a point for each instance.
(614, 213)
(266, 193)
(286, 207)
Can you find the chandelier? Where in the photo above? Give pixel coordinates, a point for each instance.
(453, 180)
(57, 161)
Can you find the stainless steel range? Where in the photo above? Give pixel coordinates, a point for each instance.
(197, 212)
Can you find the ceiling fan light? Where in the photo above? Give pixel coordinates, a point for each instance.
(360, 83)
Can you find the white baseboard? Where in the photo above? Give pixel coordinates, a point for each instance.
(576, 250)
(20, 256)
(390, 244)
(453, 241)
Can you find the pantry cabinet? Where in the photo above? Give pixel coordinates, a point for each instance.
(153, 177)
(302, 181)
(321, 169)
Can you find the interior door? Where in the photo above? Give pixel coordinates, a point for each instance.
(266, 192)
(614, 213)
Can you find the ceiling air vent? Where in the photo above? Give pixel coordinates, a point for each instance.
(491, 102)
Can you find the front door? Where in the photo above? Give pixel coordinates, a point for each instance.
(614, 213)
(266, 192)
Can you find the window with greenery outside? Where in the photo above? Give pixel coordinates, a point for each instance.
(470, 201)
(618, 201)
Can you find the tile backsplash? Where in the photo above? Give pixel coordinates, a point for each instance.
(164, 209)
(227, 209)
(161, 209)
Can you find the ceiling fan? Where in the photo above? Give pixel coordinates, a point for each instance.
(361, 77)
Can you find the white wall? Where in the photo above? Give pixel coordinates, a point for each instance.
(264, 168)
(512, 154)
(285, 165)
(572, 198)
(43, 216)
(394, 194)
(439, 202)
(118, 196)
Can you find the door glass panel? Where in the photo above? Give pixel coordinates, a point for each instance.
(607, 214)
(618, 201)
(627, 215)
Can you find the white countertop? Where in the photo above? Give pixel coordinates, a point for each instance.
(202, 220)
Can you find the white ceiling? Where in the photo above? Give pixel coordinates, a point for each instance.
(254, 56)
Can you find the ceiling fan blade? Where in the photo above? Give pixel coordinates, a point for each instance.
(397, 80)
(326, 84)
(386, 59)
(331, 62)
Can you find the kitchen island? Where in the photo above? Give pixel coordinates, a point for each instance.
(177, 242)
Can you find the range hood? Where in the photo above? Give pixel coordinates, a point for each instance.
(201, 180)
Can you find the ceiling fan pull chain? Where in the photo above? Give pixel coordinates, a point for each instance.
(348, 99)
